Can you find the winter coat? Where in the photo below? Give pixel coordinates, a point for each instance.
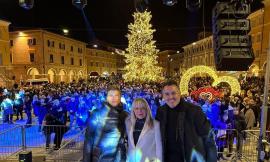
(149, 144)
(194, 131)
(7, 106)
(250, 118)
(105, 135)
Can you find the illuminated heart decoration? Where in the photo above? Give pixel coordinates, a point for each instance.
(232, 81)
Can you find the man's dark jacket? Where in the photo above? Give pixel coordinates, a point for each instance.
(194, 131)
(105, 135)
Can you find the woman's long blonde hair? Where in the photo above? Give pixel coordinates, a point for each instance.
(141, 103)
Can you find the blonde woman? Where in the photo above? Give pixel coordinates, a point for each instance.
(144, 139)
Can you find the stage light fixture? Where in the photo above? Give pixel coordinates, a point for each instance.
(26, 4)
(193, 5)
(141, 5)
(169, 2)
(80, 4)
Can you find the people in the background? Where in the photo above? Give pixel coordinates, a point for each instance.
(7, 108)
(54, 122)
(249, 113)
(144, 139)
(238, 123)
(28, 109)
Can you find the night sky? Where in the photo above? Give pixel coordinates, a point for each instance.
(176, 26)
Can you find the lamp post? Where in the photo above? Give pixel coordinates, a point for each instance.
(264, 110)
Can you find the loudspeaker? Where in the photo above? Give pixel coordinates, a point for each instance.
(233, 59)
(232, 44)
(25, 156)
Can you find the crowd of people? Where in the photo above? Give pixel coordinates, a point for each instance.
(74, 104)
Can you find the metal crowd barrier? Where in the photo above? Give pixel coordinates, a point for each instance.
(40, 139)
(11, 142)
(250, 147)
(227, 144)
(71, 151)
(232, 145)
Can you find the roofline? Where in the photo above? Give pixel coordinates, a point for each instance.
(198, 41)
(256, 13)
(5, 22)
(47, 32)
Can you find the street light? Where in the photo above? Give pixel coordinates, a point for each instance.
(141, 5)
(193, 5)
(169, 2)
(65, 31)
(26, 4)
(79, 4)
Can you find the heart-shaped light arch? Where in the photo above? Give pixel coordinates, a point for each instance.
(233, 82)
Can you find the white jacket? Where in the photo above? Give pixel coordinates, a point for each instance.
(149, 145)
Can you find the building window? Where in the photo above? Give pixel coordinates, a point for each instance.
(257, 53)
(11, 43)
(52, 43)
(96, 64)
(252, 38)
(62, 60)
(91, 64)
(60, 45)
(260, 20)
(80, 62)
(51, 58)
(10, 57)
(1, 59)
(63, 46)
(32, 42)
(79, 50)
(48, 43)
(72, 61)
(71, 48)
(259, 37)
(32, 57)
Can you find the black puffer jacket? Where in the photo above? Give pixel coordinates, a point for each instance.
(105, 135)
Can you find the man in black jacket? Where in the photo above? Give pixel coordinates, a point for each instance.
(105, 134)
(186, 132)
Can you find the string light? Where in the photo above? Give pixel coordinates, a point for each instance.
(141, 55)
(193, 71)
(233, 82)
(184, 83)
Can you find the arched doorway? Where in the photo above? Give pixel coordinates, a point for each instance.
(51, 74)
(94, 74)
(63, 75)
(32, 72)
(80, 75)
(71, 75)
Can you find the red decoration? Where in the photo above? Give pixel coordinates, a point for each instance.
(208, 93)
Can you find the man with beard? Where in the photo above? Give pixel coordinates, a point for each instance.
(186, 132)
(105, 134)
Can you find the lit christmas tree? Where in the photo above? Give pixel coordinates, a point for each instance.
(141, 55)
